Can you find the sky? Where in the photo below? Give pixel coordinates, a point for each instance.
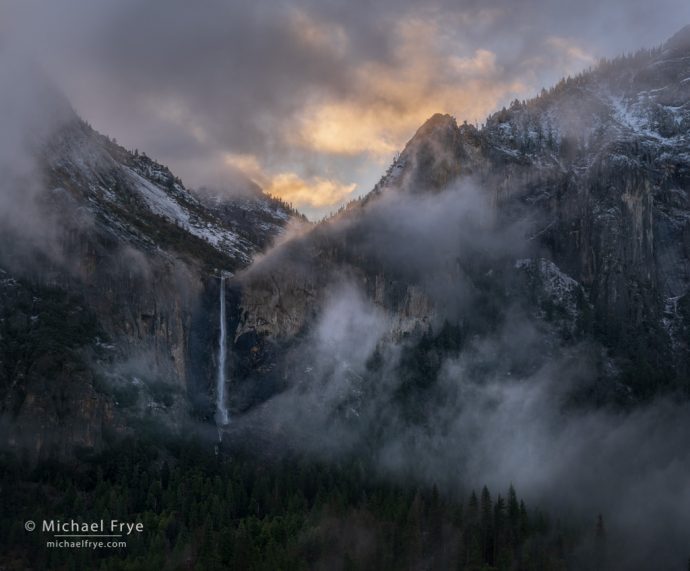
(311, 99)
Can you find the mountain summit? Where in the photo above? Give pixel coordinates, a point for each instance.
(595, 170)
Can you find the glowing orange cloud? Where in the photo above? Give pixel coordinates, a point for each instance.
(431, 71)
(391, 101)
(314, 192)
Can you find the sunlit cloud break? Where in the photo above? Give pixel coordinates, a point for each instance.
(308, 193)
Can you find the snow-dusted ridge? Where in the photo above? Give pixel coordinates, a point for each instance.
(136, 197)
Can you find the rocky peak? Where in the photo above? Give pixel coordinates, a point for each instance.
(680, 41)
(437, 153)
(438, 125)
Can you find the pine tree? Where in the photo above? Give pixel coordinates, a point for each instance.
(600, 544)
(486, 525)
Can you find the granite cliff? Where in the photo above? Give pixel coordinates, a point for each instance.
(560, 228)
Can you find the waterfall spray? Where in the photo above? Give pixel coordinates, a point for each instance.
(221, 410)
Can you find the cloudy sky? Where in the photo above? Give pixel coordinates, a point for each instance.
(311, 98)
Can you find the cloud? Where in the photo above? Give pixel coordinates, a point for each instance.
(319, 35)
(248, 164)
(32, 111)
(321, 89)
(496, 410)
(316, 192)
(309, 194)
(389, 100)
(571, 49)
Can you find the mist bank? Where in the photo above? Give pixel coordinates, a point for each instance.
(440, 345)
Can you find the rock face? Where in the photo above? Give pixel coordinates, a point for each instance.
(563, 222)
(596, 170)
(132, 255)
(601, 160)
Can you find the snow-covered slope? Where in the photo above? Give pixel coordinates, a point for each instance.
(251, 213)
(143, 201)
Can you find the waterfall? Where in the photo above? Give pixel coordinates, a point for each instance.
(221, 410)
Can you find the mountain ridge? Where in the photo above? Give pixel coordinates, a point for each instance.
(570, 210)
(598, 168)
(116, 237)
